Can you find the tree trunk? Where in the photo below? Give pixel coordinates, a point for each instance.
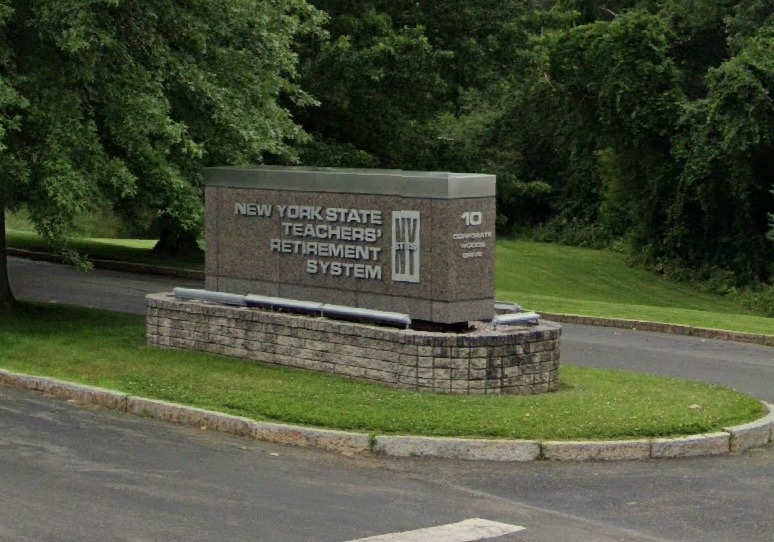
(174, 241)
(7, 301)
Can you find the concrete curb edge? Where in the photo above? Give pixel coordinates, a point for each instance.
(656, 327)
(732, 440)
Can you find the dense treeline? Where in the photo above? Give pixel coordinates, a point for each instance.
(118, 103)
(649, 122)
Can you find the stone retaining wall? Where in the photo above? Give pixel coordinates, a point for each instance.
(509, 359)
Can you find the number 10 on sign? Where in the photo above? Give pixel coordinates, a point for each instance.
(472, 218)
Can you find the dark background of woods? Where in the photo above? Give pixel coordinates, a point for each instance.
(643, 125)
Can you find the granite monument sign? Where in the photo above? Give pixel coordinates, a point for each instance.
(412, 242)
(337, 243)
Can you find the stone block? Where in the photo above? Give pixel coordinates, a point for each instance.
(407, 360)
(441, 385)
(406, 370)
(351, 371)
(425, 362)
(378, 375)
(385, 355)
(407, 381)
(477, 374)
(425, 373)
(181, 343)
(460, 375)
(442, 375)
(407, 348)
(338, 441)
(425, 350)
(459, 364)
(600, 451)
(690, 446)
(459, 386)
(478, 363)
(187, 415)
(751, 435)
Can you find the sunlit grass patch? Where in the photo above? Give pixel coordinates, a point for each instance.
(107, 350)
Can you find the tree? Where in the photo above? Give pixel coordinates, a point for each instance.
(719, 217)
(127, 99)
(378, 82)
(609, 92)
(652, 120)
(10, 102)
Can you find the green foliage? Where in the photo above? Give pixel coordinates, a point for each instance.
(576, 232)
(726, 145)
(759, 298)
(378, 83)
(10, 100)
(640, 122)
(522, 205)
(643, 122)
(127, 99)
(656, 126)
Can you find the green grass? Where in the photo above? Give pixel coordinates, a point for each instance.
(567, 280)
(539, 276)
(85, 346)
(129, 250)
(101, 223)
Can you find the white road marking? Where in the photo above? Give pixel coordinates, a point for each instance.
(464, 531)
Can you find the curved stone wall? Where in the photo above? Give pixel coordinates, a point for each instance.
(509, 359)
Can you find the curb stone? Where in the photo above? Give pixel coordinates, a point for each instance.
(657, 327)
(309, 437)
(733, 440)
(691, 446)
(79, 393)
(185, 415)
(612, 450)
(752, 435)
(457, 448)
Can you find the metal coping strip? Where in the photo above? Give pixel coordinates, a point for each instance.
(322, 309)
(516, 318)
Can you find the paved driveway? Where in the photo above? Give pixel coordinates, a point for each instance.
(68, 473)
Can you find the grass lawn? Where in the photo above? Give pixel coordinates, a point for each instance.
(107, 350)
(129, 250)
(539, 276)
(568, 280)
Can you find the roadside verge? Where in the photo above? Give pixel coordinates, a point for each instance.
(639, 325)
(732, 440)
(112, 265)
(673, 329)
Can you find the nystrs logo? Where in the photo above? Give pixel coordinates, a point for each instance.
(405, 246)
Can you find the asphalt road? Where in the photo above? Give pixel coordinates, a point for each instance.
(747, 368)
(69, 473)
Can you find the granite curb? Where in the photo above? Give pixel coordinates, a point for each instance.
(732, 440)
(656, 327)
